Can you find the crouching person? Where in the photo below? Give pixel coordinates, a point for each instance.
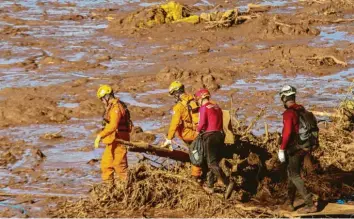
(211, 128)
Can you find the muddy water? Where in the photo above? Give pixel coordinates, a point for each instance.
(315, 93)
(80, 48)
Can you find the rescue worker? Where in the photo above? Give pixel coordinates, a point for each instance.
(184, 120)
(293, 158)
(117, 126)
(211, 127)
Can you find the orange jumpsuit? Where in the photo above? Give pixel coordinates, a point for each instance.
(114, 158)
(184, 124)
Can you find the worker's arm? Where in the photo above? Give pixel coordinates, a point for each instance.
(203, 120)
(175, 121)
(288, 127)
(114, 117)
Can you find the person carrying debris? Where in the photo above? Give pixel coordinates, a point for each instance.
(211, 128)
(296, 141)
(117, 126)
(184, 120)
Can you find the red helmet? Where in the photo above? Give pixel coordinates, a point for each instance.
(201, 94)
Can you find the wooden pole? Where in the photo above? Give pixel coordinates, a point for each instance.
(144, 147)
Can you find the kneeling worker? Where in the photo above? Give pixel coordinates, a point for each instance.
(211, 126)
(117, 126)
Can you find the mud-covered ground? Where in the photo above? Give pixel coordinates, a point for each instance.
(54, 55)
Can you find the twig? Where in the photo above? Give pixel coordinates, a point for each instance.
(266, 133)
(282, 24)
(341, 20)
(251, 125)
(318, 113)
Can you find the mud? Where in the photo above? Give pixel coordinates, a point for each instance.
(54, 55)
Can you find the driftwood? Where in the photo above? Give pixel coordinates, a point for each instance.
(254, 8)
(328, 114)
(144, 147)
(341, 21)
(324, 58)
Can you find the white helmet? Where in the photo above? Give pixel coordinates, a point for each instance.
(286, 91)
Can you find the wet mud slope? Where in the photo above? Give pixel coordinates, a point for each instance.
(54, 55)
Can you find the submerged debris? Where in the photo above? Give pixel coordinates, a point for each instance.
(50, 136)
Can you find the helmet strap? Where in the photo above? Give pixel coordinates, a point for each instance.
(106, 98)
(177, 95)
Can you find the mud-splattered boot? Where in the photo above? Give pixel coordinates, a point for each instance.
(210, 181)
(289, 203)
(229, 189)
(310, 206)
(288, 206)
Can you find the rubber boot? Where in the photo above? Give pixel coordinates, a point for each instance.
(310, 207)
(211, 179)
(289, 203)
(229, 189)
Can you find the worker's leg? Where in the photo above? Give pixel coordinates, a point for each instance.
(294, 168)
(212, 142)
(188, 136)
(120, 162)
(107, 164)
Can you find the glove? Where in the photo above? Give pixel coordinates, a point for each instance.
(167, 143)
(97, 141)
(281, 156)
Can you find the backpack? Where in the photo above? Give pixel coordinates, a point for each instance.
(196, 151)
(125, 123)
(308, 130)
(193, 112)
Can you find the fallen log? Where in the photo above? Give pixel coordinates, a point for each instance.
(254, 8)
(144, 147)
(328, 114)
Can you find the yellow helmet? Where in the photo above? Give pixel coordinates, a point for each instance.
(103, 91)
(175, 86)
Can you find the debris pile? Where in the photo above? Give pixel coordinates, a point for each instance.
(149, 187)
(173, 12)
(170, 12)
(251, 162)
